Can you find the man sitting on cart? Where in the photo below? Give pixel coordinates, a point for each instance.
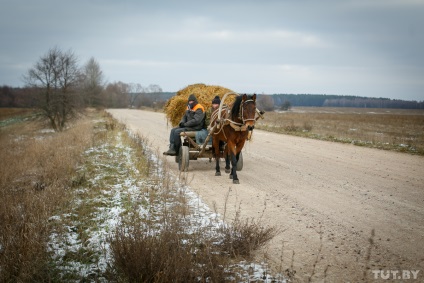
(193, 120)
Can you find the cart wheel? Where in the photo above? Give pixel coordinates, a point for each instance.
(184, 158)
(240, 162)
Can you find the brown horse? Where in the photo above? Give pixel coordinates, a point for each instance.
(234, 127)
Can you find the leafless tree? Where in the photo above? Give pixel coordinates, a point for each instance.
(135, 90)
(154, 88)
(56, 75)
(116, 94)
(93, 83)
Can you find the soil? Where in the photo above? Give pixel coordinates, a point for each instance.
(344, 211)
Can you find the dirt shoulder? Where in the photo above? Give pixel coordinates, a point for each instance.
(326, 197)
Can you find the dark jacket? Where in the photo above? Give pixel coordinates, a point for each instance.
(194, 119)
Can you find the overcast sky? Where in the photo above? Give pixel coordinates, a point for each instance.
(349, 47)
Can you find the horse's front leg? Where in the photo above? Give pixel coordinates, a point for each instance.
(227, 160)
(217, 154)
(233, 174)
(217, 169)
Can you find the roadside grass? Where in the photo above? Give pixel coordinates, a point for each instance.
(93, 203)
(34, 183)
(7, 113)
(9, 116)
(389, 129)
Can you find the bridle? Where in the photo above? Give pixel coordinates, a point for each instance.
(241, 112)
(238, 127)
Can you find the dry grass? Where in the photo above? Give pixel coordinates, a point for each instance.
(40, 178)
(169, 249)
(245, 236)
(35, 174)
(166, 255)
(392, 129)
(172, 254)
(6, 113)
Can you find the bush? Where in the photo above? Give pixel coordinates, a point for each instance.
(165, 256)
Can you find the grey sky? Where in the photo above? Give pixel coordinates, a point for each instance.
(348, 47)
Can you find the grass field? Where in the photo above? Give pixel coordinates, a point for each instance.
(391, 129)
(93, 204)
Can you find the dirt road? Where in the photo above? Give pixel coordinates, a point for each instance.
(327, 197)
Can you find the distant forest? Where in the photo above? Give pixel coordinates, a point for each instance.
(322, 100)
(116, 96)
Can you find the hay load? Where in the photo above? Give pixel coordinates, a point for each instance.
(176, 105)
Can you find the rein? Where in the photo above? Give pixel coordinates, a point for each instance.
(238, 127)
(241, 112)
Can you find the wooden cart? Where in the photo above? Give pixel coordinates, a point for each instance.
(190, 150)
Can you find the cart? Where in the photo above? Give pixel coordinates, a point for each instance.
(190, 150)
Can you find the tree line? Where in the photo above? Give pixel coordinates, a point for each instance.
(60, 89)
(112, 95)
(323, 100)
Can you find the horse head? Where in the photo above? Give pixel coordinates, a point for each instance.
(248, 111)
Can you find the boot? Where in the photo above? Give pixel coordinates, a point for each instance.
(171, 151)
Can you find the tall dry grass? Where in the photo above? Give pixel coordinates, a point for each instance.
(174, 251)
(168, 255)
(401, 130)
(36, 171)
(37, 177)
(173, 255)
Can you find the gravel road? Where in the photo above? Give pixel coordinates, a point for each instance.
(326, 197)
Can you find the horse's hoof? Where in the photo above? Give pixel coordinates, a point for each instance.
(227, 170)
(217, 173)
(236, 182)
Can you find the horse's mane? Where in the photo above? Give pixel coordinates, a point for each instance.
(235, 108)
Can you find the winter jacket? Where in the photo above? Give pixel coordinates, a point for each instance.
(194, 119)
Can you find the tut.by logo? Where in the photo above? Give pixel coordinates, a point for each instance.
(396, 274)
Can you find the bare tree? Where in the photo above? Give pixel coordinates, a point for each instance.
(93, 83)
(135, 90)
(140, 95)
(56, 76)
(154, 88)
(116, 94)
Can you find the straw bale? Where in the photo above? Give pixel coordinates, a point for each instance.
(176, 105)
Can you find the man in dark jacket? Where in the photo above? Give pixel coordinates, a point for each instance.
(193, 120)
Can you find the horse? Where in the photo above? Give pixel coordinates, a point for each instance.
(234, 127)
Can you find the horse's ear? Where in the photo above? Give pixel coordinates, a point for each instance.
(244, 97)
(254, 97)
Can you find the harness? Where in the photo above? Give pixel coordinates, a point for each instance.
(238, 127)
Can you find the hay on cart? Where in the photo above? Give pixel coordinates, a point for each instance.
(176, 105)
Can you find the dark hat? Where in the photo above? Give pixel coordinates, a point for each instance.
(192, 97)
(216, 100)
